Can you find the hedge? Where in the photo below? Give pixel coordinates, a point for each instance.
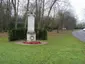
(41, 34)
(21, 34)
(17, 34)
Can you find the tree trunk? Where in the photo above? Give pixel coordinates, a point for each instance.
(15, 11)
(26, 14)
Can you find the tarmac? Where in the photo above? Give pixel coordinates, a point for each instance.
(80, 34)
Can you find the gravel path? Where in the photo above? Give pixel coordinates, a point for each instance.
(80, 34)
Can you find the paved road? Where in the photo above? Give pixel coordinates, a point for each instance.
(80, 34)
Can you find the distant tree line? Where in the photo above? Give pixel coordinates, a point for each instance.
(80, 25)
(58, 16)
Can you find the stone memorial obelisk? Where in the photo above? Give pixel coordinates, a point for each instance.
(31, 35)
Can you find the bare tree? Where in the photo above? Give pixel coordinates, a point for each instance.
(25, 15)
(15, 4)
(51, 7)
(8, 12)
(1, 15)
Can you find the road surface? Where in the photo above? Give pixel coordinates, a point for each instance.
(80, 34)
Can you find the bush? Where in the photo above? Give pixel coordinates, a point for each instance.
(41, 34)
(20, 34)
(17, 34)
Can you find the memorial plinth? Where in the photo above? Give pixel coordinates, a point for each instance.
(31, 35)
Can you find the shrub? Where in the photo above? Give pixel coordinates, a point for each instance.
(20, 34)
(41, 34)
(17, 34)
(44, 34)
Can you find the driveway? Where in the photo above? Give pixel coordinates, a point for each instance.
(80, 34)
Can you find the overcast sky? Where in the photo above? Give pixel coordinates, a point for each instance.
(79, 6)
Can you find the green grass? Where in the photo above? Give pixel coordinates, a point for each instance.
(61, 49)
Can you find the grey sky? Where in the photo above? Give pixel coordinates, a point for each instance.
(78, 7)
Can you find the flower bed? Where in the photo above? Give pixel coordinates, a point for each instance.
(33, 42)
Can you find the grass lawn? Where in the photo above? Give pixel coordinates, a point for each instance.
(62, 48)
